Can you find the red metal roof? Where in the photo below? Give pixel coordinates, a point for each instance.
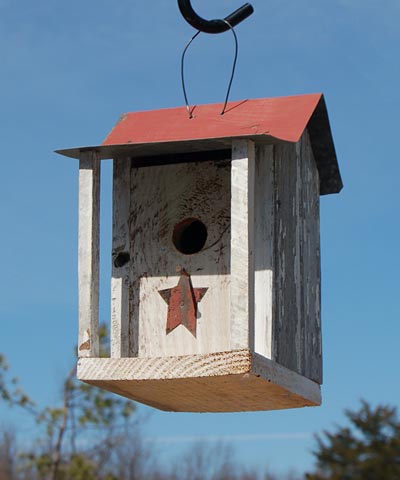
(283, 118)
(171, 131)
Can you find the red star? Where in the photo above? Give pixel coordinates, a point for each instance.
(182, 303)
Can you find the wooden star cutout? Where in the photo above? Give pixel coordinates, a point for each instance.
(182, 303)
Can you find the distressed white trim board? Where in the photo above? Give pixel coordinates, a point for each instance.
(88, 254)
(120, 281)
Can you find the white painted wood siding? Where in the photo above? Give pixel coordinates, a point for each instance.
(242, 245)
(260, 264)
(88, 254)
(161, 197)
(264, 249)
(120, 283)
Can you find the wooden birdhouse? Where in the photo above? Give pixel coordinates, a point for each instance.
(215, 289)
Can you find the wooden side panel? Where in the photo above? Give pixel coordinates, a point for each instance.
(296, 331)
(120, 311)
(311, 262)
(88, 254)
(161, 198)
(242, 245)
(264, 249)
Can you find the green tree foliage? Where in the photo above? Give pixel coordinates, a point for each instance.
(368, 449)
(95, 435)
(76, 439)
(10, 391)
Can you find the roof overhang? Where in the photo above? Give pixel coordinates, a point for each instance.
(169, 132)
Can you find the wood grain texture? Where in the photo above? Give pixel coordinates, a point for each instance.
(120, 282)
(220, 382)
(242, 245)
(296, 328)
(311, 263)
(164, 368)
(286, 379)
(88, 254)
(264, 249)
(162, 197)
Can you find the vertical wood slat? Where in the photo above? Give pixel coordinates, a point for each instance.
(297, 329)
(242, 244)
(288, 315)
(88, 254)
(120, 283)
(264, 248)
(311, 263)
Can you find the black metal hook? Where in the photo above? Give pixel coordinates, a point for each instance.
(214, 26)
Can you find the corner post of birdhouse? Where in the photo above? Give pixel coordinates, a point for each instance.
(120, 282)
(242, 244)
(88, 253)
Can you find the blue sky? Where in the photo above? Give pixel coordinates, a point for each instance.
(69, 69)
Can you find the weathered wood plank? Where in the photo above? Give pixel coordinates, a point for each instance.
(219, 382)
(264, 249)
(120, 284)
(296, 331)
(164, 368)
(287, 281)
(242, 244)
(88, 254)
(289, 318)
(311, 274)
(161, 198)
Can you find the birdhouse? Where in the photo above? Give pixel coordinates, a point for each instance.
(215, 289)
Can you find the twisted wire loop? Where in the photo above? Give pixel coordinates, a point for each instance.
(233, 66)
(190, 110)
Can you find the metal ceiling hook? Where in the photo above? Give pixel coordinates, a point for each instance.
(214, 26)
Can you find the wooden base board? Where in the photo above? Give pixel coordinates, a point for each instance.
(234, 381)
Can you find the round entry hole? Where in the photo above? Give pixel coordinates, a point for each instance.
(121, 259)
(189, 236)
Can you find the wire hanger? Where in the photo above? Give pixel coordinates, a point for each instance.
(212, 26)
